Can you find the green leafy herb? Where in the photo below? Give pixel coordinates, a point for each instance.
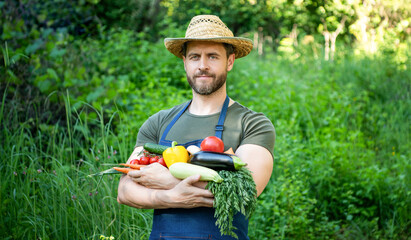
(237, 193)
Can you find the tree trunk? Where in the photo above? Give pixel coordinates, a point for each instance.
(332, 37)
(326, 45)
(260, 44)
(294, 35)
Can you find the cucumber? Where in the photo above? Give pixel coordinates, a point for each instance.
(155, 148)
(182, 170)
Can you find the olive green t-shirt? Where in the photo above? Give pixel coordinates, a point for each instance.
(241, 126)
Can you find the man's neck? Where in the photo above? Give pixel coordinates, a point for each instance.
(208, 104)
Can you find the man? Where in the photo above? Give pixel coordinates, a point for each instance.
(183, 209)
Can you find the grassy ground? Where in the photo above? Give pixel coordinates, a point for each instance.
(342, 155)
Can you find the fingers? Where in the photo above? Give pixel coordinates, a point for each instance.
(199, 191)
(138, 173)
(201, 202)
(134, 174)
(208, 193)
(208, 202)
(192, 179)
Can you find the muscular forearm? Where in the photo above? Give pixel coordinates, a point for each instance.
(183, 195)
(259, 161)
(153, 187)
(138, 196)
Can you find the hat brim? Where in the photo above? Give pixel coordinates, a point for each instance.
(242, 46)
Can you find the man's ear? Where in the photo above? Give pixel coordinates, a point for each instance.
(230, 62)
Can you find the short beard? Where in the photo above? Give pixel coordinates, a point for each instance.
(213, 87)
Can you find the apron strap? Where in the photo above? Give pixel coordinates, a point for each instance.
(163, 140)
(219, 128)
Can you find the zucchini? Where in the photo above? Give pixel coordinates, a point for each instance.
(155, 148)
(217, 161)
(182, 170)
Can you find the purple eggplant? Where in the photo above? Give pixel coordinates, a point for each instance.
(217, 161)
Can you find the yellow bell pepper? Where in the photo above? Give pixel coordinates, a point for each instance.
(175, 154)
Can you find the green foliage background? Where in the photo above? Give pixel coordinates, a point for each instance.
(78, 78)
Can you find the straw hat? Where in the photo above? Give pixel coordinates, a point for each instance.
(209, 28)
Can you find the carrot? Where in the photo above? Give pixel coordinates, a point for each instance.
(230, 151)
(123, 170)
(133, 166)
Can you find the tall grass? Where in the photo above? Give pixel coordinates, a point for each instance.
(342, 156)
(45, 191)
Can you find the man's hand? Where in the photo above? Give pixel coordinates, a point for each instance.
(153, 187)
(187, 195)
(154, 176)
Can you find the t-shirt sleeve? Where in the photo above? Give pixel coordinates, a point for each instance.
(259, 131)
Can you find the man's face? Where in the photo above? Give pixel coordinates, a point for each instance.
(206, 66)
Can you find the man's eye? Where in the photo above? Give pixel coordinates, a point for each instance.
(213, 57)
(194, 57)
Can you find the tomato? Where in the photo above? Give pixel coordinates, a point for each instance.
(212, 144)
(162, 162)
(146, 153)
(144, 160)
(154, 159)
(135, 161)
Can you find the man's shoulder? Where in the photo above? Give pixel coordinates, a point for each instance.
(251, 119)
(247, 113)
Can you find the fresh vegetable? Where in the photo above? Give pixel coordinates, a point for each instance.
(117, 170)
(154, 159)
(183, 170)
(133, 166)
(217, 161)
(175, 154)
(162, 162)
(135, 161)
(229, 151)
(105, 172)
(155, 148)
(193, 149)
(144, 160)
(123, 170)
(212, 144)
(237, 193)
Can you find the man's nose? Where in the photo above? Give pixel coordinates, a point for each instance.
(203, 64)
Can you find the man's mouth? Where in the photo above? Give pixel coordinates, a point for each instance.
(203, 76)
